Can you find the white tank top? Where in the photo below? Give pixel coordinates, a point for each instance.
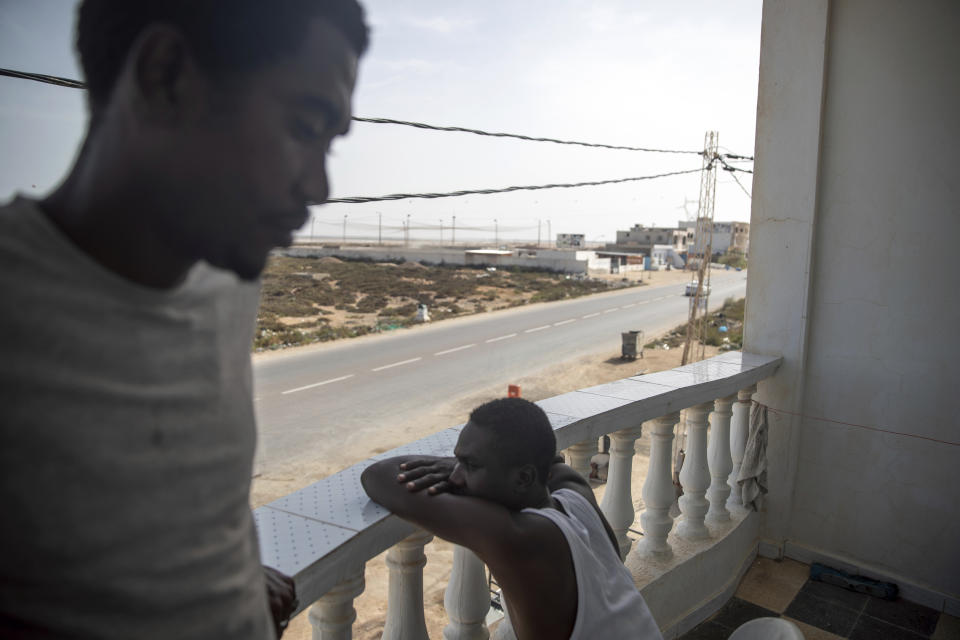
(608, 604)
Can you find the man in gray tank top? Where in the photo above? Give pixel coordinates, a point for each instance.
(126, 419)
(533, 520)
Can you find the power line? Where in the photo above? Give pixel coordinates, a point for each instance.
(728, 167)
(473, 192)
(76, 84)
(479, 132)
(40, 77)
(740, 184)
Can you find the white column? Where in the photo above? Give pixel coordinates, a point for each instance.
(695, 475)
(405, 619)
(617, 502)
(718, 457)
(578, 456)
(333, 614)
(658, 489)
(739, 430)
(467, 598)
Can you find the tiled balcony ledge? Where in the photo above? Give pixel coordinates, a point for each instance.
(324, 534)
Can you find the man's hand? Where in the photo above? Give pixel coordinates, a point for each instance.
(282, 595)
(429, 472)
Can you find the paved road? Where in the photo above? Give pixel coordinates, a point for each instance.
(316, 395)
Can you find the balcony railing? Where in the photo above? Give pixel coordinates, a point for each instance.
(324, 534)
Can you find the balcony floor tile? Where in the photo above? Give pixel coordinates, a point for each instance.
(773, 584)
(822, 611)
(737, 611)
(870, 628)
(904, 614)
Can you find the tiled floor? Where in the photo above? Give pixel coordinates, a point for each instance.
(822, 611)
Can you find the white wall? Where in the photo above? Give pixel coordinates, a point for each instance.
(854, 279)
(568, 261)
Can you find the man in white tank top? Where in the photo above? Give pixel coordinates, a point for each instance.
(532, 519)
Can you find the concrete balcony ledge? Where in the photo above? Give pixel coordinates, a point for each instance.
(324, 534)
(684, 590)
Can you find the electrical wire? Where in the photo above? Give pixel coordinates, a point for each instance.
(729, 167)
(421, 226)
(473, 192)
(740, 184)
(40, 77)
(479, 132)
(76, 84)
(859, 426)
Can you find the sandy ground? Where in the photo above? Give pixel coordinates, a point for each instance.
(372, 604)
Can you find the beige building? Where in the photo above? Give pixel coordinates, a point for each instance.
(640, 239)
(726, 236)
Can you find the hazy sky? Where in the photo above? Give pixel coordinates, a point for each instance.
(630, 72)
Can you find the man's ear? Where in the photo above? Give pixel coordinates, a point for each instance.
(163, 75)
(525, 477)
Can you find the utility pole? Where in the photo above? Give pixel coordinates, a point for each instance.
(313, 226)
(379, 228)
(441, 232)
(406, 239)
(344, 241)
(496, 234)
(454, 231)
(538, 233)
(702, 251)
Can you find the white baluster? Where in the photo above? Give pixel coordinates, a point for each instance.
(658, 489)
(333, 614)
(467, 598)
(578, 456)
(739, 430)
(405, 619)
(718, 455)
(695, 475)
(617, 503)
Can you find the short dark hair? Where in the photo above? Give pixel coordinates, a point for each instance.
(233, 35)
(522, 430)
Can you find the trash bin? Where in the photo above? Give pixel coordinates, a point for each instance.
(629, 345)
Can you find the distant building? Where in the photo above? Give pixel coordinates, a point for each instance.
(640, 239)
(728, 235)
(571, 241)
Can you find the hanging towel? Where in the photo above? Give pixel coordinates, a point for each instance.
(752, 479)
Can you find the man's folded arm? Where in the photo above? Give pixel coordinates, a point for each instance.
(474, 523)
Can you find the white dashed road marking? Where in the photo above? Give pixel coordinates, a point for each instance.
(546, 326)
(590, 315)
(396, 364)
(466, 346)
(611, 310)
(316, 384)
(509, 335)
(563, 322)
